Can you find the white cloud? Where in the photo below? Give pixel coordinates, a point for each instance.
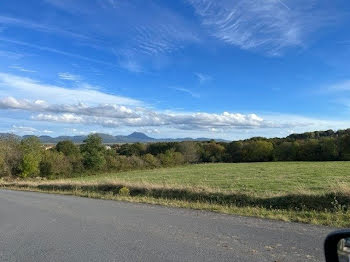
(131, 65)
(227, 125)
(19, 68)
(203, 78)
(186, 91)
(265, 25)
(150, 131)
(105, 110)
(341, 86)
(157, 29)
(8, 20)
(23, 129)
(52, 104)
(69, 76)
(56, 51)
(113, 115)
(195, 121)
(28, 88)
(11, 55)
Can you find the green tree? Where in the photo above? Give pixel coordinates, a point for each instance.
(160, 147)
(257, 151)
(234, 152)
(151, 161)
(136, 149)
(72, 152)
(55, 164)
(10, 156)
(32, 153)
(189, 150)
(68, 148)
(171, 158)
(329, 149)
(93, 153)
(212, 152)
(344, 147)
(286, 151)
(309, 150)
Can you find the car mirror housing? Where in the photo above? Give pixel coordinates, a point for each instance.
(337, 246)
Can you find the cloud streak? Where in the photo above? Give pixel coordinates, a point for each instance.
(57, 51)
(8, 20)
(203, 78)
(19, 68)
(269, 26)
(186, 91)
(69, 76)
(31, 89)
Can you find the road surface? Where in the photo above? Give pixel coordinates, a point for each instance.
(48, 227)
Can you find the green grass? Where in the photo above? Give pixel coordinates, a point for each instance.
(308, 192)
(271, 178)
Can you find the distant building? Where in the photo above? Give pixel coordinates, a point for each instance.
(48, 147)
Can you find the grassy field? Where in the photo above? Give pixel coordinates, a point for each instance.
(309, 192)
(270, 178)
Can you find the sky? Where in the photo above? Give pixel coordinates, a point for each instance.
(230, 69)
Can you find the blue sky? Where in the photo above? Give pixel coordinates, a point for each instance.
(198, 68)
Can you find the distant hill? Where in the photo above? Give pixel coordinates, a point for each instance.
(110, 139)
(141, 137)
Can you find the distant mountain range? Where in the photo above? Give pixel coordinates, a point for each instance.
(110, 139)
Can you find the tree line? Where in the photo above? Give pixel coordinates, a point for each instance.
(29, 158)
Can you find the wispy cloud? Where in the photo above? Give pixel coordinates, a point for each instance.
(23, 129)
(269, 26)
(8, 20)
(203, 78)
(28, 130)
(69, 76)
(19, 68)
(131, 65)
(57, 51)
(159, 30)
(24, 87)
(186, 91)
(341, 86)
(11, 55)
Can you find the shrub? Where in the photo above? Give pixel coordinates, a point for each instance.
(72, 152)
(257, 151)
(124, 191)
(151, 161)
(68, 148)
(32, 153)
(10, 156)
(93, 153)
(136, 149)
(55, 164)
(212, 152)
(189, 150)
(160, 147)
(171, 158)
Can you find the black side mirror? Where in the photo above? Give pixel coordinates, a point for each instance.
(337, 246)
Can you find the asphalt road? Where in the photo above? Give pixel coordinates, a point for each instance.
(47, 227)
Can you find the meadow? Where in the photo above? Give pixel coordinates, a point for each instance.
(262, 179)
(308, 192)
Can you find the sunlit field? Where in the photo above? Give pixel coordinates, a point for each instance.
(260, 178)
(308, 192)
